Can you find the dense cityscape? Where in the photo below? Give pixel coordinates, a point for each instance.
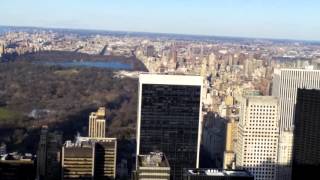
(80, 104)
(234, 76)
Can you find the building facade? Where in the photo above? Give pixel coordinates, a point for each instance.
(48, 155)
(285, 85)
(229, 155)
(285, 155)
(77, 161)
(17, 169)
(306, 149)
(169, 119)
(214, 138)
(258, 133)
(97, 123)
(105, 156)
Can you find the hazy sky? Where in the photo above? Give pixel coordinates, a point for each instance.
(293, 19)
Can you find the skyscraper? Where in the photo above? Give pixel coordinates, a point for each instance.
(97, 123)
(258, 133)
(306, 149)
(169, 119)
(285, 85)
(48, 155)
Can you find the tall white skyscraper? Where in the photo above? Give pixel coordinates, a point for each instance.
(258, 134)
(97, 123)
(285, 85)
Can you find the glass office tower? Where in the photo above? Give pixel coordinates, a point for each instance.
(306, 148)
(169, 119)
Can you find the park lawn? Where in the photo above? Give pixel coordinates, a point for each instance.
(6, 114)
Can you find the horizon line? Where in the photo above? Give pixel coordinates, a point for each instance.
(164, 33)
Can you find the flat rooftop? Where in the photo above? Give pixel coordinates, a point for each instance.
(171, 79)
(154, 159)
(94, 140)
(217, 172)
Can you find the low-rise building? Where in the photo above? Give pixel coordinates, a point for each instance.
(152, 166)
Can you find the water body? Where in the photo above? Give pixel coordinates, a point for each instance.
(96, 64)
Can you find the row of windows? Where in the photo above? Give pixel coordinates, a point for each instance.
(262, 143)
(262, 106)
(258, 143)
(260, 124)
(261, 134)
(257, 159)
(260, 164)
(260, 128)
(262, 117)
(259, 131)
(264, 110)
(265, 164)
(258, 154)
(255, 142)
(262, 113)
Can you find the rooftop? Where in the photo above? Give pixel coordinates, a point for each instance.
(170, 79)
(217, 172)
(100, 114)
(94, 139)
(78, 149)
(154, 159)
(262, 99)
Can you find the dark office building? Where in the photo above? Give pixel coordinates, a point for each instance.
(216, 174)
(306, 148)
(17, 169)
(48, 155)
(169, 118)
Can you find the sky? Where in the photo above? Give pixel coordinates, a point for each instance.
(279, 19)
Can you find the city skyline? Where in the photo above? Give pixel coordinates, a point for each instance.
(254, 19)
(130, 102)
